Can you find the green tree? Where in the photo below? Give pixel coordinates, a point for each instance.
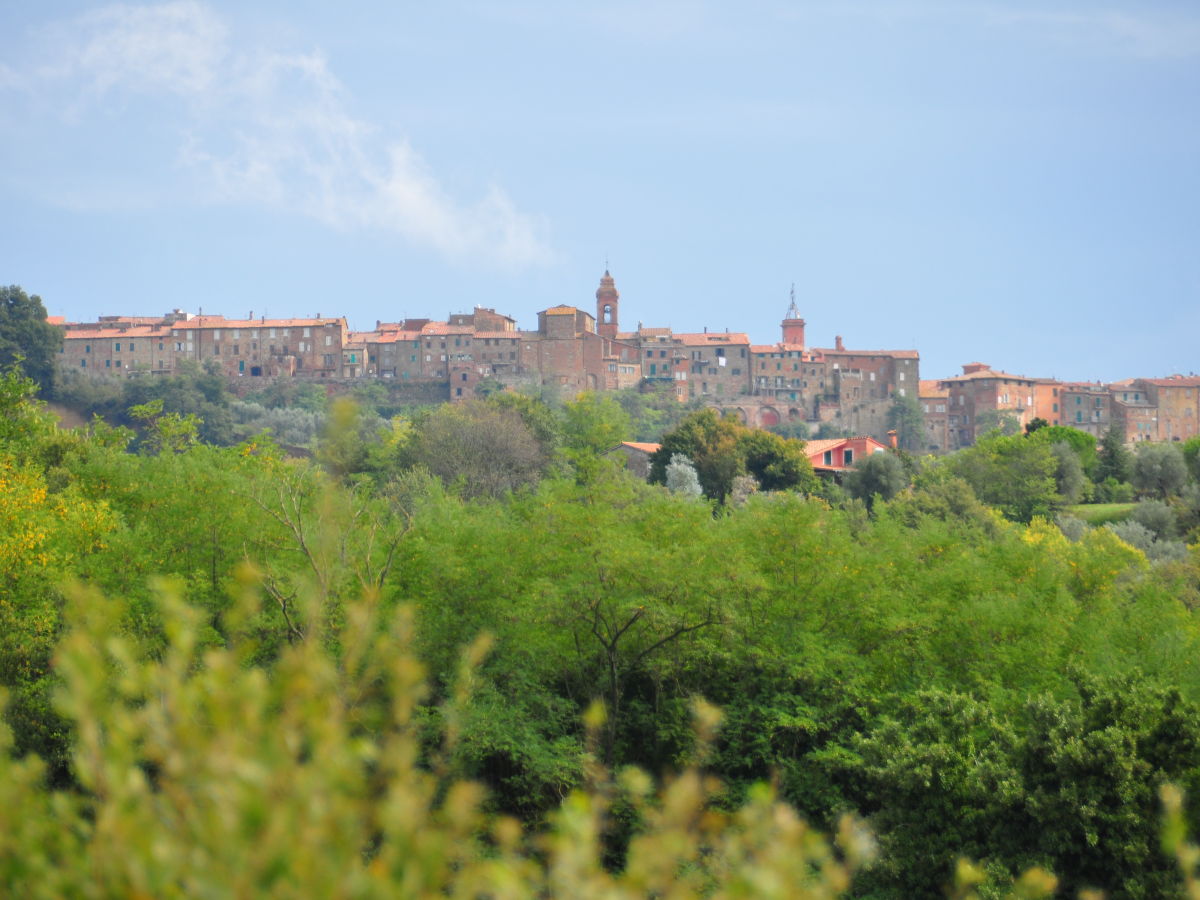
(711, 443)
(479, 448)
(592, 425)
(1159, 470)
(721, 448)
(908, 421)
(798, 431)
(1113, 459)
(25, 335)
(1191, 456)
(776, 463)
(1004, 420)
(879, 475)
(1068, 473)
(1011, 473)
(1081, 442)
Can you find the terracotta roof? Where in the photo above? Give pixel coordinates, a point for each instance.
(644, 447)
(499, 335)
(898, 354)
(814, 447)
(198, 322)
(764, 348)
(992, 374)
(713, 337)
(1174, 381)
(561, 311)
(116, 332)
(57, 320)
(931, 389)
(438, 328)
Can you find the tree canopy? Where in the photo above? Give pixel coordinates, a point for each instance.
(26, 335)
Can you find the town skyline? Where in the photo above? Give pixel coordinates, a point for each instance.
(1009, 184)
(629, 322)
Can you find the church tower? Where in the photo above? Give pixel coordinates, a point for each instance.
(793, 325)
(607, 299)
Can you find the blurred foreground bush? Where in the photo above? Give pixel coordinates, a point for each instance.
(205, 776)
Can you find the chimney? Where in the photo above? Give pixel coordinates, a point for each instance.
(837, 343)
(893, 441)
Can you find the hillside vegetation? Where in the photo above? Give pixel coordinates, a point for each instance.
(463, 653)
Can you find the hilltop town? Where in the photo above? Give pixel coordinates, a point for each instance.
(849, 390)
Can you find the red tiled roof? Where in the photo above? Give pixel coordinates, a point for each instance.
(931, 389)
(198, 322)
(898, 354)
(991, 373)
(437, 328)
(116, 332)
(1174, 381)
(713, 337)
(560, 311)
(644, 447)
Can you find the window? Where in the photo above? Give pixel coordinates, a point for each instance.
(130, 347)
(827, 459)
(108, 364)
(87, 348)
(308, 332)
(117, 348)
(83, 362)
(847, 456)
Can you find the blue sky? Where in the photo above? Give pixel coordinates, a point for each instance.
(1016, 183)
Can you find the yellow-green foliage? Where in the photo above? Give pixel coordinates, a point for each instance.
(204, 776)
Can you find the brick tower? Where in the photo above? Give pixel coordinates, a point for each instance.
(607, 300)
(793, 325)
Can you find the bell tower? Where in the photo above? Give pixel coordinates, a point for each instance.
(607, 300)
(793, 325)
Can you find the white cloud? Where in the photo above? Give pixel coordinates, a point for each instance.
(275, 129)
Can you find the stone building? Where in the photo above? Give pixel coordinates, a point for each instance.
(1084, 405)
(982, 391)
(253, 347)
(934, 400)
(1177, 400)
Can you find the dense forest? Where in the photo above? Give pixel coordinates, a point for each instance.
(291, 643)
